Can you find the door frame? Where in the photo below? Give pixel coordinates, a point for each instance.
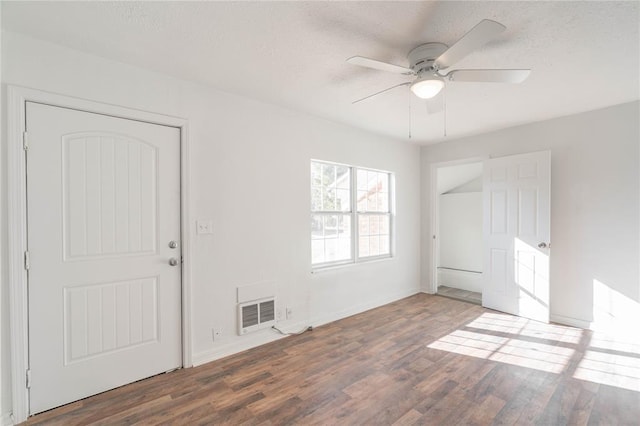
(17, 97)
(434, 208)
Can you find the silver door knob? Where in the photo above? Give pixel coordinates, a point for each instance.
(542, 245)
(173, 244)
(173, 261)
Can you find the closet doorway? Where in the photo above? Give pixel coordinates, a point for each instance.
(458, 240)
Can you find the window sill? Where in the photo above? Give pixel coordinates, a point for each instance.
(333, 267)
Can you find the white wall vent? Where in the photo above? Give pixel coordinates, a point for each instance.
(256, 315)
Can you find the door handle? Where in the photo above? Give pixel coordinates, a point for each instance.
(542, 245)
(173, 261)
(173, 244)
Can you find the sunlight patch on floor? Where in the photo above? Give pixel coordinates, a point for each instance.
(611, 361)
(605, 342)
(526, 327)
(547, 347)
(523, 353)
(617, 370)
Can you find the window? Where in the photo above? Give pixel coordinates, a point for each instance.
(374, 216)
(350, 214)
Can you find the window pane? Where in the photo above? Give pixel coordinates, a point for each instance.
(328, 174)
(330, 238)
(330, 187)
(317, 228)
(384, 184)
(362, 201)
(374, 246)
(343, 177)
(329, 227)
(330, 249)
(317, 251)
(316, 174)
(316, 199)
(372, 180)
(363, 225)
(362, 180)
(363, 246)
(384, 225)
(383, 202)
(373, 191)
(372, 202)
(343, 200)
(374, 229)
(373, 235)
(328, 199)
(385, 247)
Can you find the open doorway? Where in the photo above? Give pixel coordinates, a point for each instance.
(458, 248)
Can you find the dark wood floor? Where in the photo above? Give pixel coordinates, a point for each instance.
(421, 360)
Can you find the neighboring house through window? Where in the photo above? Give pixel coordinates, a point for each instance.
(351, 216)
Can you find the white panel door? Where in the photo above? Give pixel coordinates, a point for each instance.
(103, 199)
(516, 235)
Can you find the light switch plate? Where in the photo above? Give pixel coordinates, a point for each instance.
(204, 227)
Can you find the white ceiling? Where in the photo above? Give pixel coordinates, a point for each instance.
(584, 55)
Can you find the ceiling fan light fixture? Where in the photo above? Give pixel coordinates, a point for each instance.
(427, 87)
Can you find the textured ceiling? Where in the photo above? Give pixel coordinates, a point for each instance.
(583, 55)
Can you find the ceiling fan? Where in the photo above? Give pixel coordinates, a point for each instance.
(427, 61)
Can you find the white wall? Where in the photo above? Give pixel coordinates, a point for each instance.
(460, 239)
(460, 235)
(595, 197)
(249, 166)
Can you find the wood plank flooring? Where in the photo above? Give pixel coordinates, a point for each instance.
(421, 360)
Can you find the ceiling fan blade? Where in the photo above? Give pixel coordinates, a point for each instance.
(489, 76)
(382, 91)
(476, 37)
(379, 65)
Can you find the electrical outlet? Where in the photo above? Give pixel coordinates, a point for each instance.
(289, 313)
(279, 314)
(216, 333)
(204, 227)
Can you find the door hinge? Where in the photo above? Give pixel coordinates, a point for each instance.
(28, 379)
(27, 260)
(25, 141)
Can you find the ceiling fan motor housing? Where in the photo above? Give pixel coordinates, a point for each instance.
(422, 57)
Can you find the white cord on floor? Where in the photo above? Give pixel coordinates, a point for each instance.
(309, 328)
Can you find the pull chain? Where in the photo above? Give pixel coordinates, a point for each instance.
(409, 92)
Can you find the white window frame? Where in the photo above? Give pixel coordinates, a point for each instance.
(354, 214)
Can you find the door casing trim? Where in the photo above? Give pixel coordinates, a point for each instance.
(17, 97)
(434, 223)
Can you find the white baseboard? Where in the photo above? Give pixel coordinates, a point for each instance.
(240, 344)
(353, 310)
(573, 322)
(267, 336)
(5, 420)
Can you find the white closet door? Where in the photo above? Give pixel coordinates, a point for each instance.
(516, 235)
(103, 198)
